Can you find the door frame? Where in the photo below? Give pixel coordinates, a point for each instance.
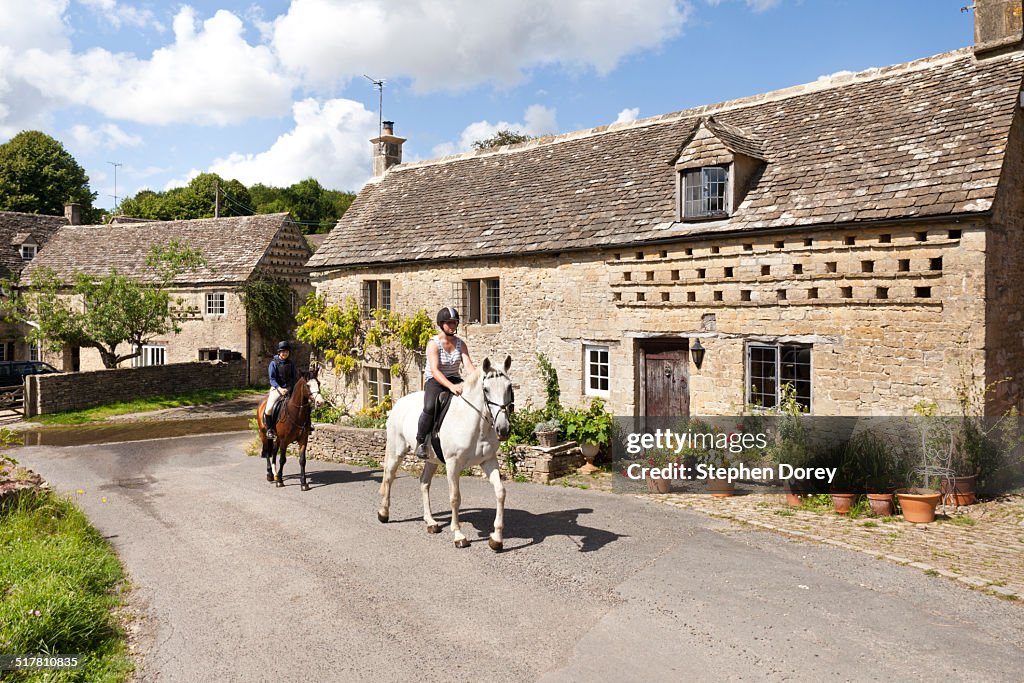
(654, 345)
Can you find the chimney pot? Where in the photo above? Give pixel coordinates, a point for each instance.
(389, 127)
(387, 149)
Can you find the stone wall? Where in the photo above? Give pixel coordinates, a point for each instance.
(888, 311)
(355, 446)
(78, 390)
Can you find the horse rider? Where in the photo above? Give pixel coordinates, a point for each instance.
(446, 354)
(283, 376)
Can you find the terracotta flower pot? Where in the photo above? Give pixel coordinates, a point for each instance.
(794, 500)
(959, 492)
(918, 505)
(842, 502)
(721, 488)
(658, 485)
(881, 504)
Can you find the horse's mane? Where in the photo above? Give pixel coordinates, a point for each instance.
(473, 378)
(296, 396)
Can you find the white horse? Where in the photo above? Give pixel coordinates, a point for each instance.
(476, 421)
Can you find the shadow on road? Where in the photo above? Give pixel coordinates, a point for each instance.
(318, 478)
(533, 529)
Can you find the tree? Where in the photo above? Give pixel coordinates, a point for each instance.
(503, 137)
(268, 309)
(37, 175)
(107, 312)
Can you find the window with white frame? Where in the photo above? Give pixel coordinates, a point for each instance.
(771, 367)
(378, 385)
(151, 354)
(28, 252)
(376, 295)
(705, 192)
(34, 352)
(596, 370)
(215, 304)
(479, 301)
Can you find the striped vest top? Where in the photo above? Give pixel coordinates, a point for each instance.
(450, 362)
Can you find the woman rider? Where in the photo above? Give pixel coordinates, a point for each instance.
(446, 354)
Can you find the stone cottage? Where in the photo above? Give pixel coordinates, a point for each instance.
(236, 250)
(22, 236)
(858, 238)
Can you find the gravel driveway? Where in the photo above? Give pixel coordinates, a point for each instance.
(241, 581)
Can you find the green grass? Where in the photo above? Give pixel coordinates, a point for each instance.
(962, 520)
(195, 398)
(60, 585)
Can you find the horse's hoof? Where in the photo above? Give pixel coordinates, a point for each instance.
(434, 529)
(280, 484)
(382, 518)
(496, 546)
(462, 543)
(305, 487)
(270, 477)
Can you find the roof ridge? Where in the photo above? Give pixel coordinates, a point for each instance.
(836, 80)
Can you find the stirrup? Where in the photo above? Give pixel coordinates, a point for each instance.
(421, 450)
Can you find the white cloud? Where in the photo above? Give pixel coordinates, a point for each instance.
(38, 23)
(107, 136)
(209, 75)
(630, 114)
(330, 142)
(461, 43)
(119, 14)
(756, 5)
(537, 120)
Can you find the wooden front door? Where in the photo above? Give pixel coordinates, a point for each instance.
(667, 383)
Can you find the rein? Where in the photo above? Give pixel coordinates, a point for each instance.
(502, 407)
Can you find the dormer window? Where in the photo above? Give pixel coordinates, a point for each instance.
(28, 252)
(706, 192)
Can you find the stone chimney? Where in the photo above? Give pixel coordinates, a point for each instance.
(387, 149)
(73, 212)
(997, 26)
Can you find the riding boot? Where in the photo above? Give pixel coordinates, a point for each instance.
(421, 449)
(271, 425)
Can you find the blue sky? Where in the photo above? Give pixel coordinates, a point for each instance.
(274, 92)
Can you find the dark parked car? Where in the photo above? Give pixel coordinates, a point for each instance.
(13, 372)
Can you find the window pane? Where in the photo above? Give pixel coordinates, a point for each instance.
(763, 390)
(796, 370)
(385, 294)
(493, 302)
(597, 369)
(472, 288)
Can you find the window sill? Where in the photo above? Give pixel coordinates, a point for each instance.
(480, 328)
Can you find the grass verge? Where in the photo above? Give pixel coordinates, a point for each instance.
(60, 586)
(195, 398)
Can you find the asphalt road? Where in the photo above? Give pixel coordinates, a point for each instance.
(242, 581)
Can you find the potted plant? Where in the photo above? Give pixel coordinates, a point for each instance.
(918, 502)
(591, 429)
(659, 459)
(547, 432)
(883, 466)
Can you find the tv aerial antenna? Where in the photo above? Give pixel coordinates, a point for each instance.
(379, 84)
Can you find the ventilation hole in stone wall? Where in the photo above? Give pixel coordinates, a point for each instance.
(716, 250)
(664, 254)
(846, 292)
(718, 295)
(798, 269)
(780, 294)
(923, 292)
(748, 247)
(867, 266)
(830, 266)
(691, 296)
(812, 293)
(955, 234)
(780, 244)
(650, 275)
(639, 256)
(728, 271)
(702, 272)
(808, 241)
(766, 270)
(921, 236)
(884, 239)
(849, 240)
(665, 296)
(627, 276)
(904, 265)
(744, 295)
(881, 292)
(689, 251)
(640, 296)
(936, 263)
(616, 296)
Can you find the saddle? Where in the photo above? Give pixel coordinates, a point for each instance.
(275, 414)
(443, 403)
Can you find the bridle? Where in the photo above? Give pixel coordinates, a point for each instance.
(507, 407)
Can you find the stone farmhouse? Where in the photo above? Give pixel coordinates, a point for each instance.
(22, 236)
(859, 238)
(236, 250)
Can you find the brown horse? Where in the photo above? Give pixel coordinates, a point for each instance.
(292, 426)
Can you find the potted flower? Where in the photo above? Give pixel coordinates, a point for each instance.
(659, 459)
(882, 466)
(547, 432)
(591, 429)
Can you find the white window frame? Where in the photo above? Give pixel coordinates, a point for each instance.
(592, 363)
(726, 197)
(215, 301)
(150, 354)
(778, 348)
(29, 251)
(376, 381)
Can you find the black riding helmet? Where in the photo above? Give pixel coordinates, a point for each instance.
(284, 346)
(444, 315)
